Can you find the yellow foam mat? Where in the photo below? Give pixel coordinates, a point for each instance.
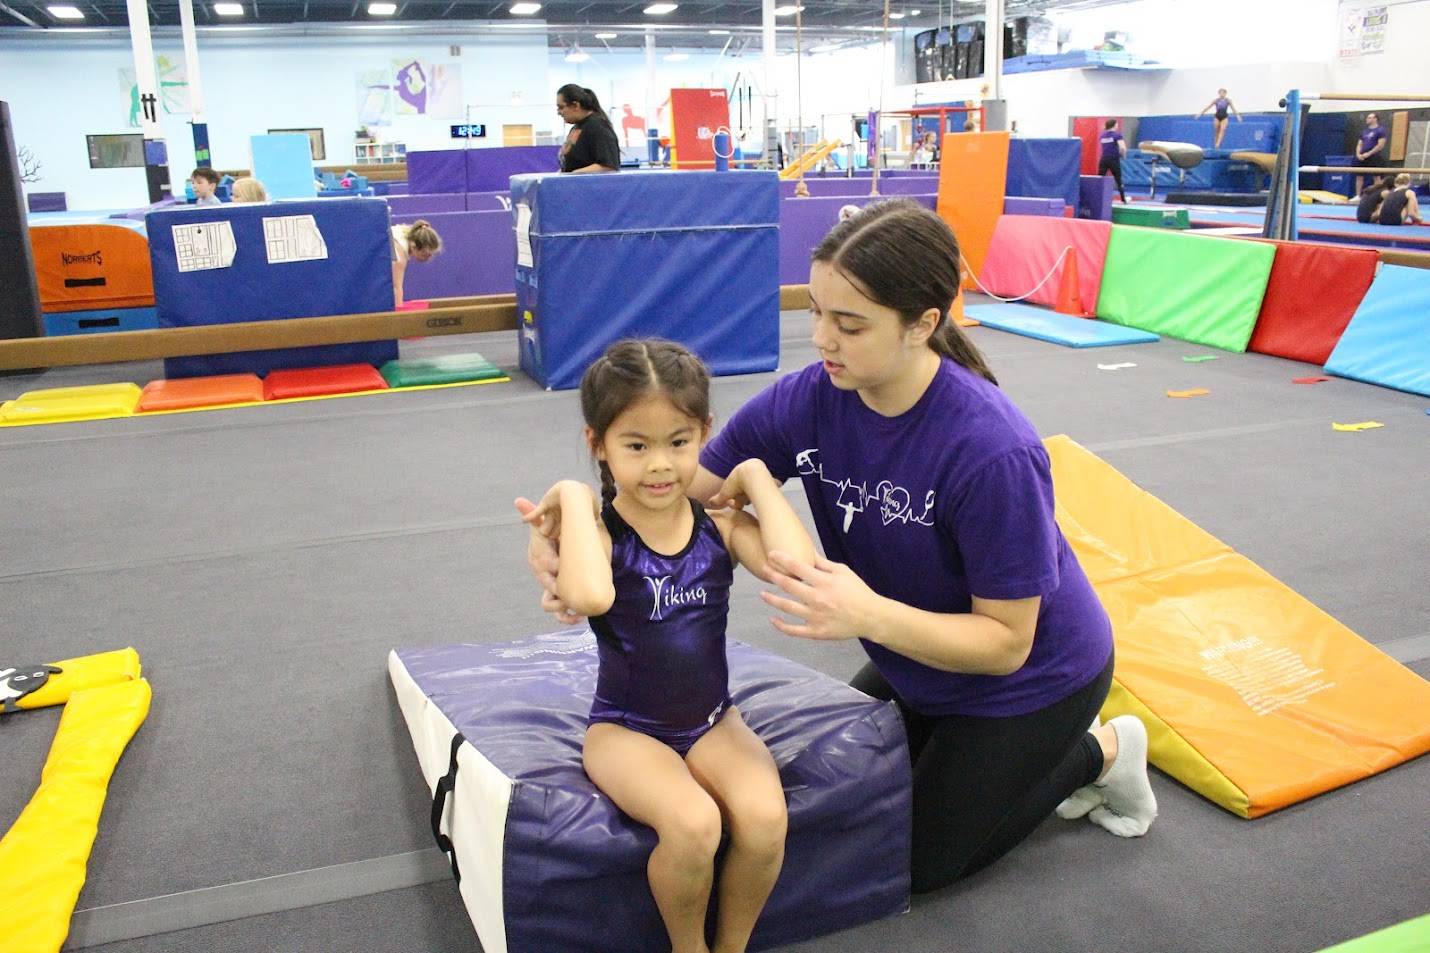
(43, 856)
(60, 404)
(1253, 697)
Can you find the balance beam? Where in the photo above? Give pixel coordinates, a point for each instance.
(447, 316)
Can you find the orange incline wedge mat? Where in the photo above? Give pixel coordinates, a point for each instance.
(188, 392)
(60, 404)
(1252, 696)
(322, 381)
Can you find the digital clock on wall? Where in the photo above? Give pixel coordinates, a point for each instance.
(469, 131)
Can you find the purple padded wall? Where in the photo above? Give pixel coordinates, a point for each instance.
(910, 185)
(490, 170)
(428, 203)
(804, 222)
(574, 867)
(478, 256)
(1027, 205)
(1095, 193)
(442, 170)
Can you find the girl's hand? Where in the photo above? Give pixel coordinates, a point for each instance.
(833, 602)
(734, 492)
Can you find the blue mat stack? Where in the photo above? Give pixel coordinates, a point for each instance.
(688, 256)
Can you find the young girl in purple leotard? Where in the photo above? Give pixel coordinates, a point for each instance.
(652, 570)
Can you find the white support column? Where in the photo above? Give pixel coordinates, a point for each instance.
(652, 96)
(191, 60)
(992, 47)
(144, 78)
(769, 82)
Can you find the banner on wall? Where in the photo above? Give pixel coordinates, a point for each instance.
(695, 116)
(427, 89)
(173, 82)
(1363, 29)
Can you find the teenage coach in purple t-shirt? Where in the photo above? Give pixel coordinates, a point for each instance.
(933, 499)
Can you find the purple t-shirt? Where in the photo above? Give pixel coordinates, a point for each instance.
(952, 498)
(1109, 139)
(1370, 137)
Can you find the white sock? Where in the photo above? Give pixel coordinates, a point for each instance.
(1128, 804)
(1084, 798)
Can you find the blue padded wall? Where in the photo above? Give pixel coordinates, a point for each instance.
(354, 278)
(688, 256)
(1388, 340)
(1047, 168)
(1252, 133)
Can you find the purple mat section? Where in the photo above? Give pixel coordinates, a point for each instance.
(478, 256)
(443, 170)
(910, 185)
(490, 170)
(46, 202)
(1095, 195)
(805, 222)
(1022, 205)
(573, 869)
(427, 204)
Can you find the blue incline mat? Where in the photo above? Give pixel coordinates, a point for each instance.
(1045, 325)
(1388, 339)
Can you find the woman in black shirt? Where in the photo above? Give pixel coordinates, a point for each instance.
(591, 145)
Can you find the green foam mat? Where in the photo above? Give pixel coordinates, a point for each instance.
(1412, 936)
(446, 369)
(1193, 287)
(1151, 217)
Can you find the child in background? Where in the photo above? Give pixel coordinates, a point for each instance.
(248, 190)
(418, 242)
(652, 570)
(205, 182)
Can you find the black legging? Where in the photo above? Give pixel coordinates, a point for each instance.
(1114, 165)
(981, 785)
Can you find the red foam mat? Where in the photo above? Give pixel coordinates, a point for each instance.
(1312, 294)
(1025, 248)
(322, 381)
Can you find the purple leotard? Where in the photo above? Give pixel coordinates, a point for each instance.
(662, 643)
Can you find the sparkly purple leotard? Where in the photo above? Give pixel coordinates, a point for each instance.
(662, 643)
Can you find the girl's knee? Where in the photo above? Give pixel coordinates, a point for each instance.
(760, 823)
(692, 829)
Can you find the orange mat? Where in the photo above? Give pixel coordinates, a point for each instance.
(201, 392)
(972, 177)
(88, 267)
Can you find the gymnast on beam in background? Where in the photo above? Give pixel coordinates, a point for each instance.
(1222, 105)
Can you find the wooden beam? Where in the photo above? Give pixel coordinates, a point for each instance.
(1412, 259)
(470, 315)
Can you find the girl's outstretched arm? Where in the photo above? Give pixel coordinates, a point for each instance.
(751, 540)
(570, 511)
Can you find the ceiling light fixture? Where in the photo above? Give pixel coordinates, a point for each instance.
(914, 13)
(523, 9)
(788, 10)
(660, 9)
(65, 13)
(228, 9)
(896, 15)
(607, 36)
(381, 9)
(719, 32)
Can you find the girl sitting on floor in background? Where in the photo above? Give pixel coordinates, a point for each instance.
(652, 570)
(1399, 207)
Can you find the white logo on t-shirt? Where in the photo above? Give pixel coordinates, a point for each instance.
(894, 502)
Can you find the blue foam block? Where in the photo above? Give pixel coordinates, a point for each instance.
(1388, 341)
(1045, 325)
(283, 162)
(101, 321)
(354, 278)
(688, 256)
(1045, 168)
